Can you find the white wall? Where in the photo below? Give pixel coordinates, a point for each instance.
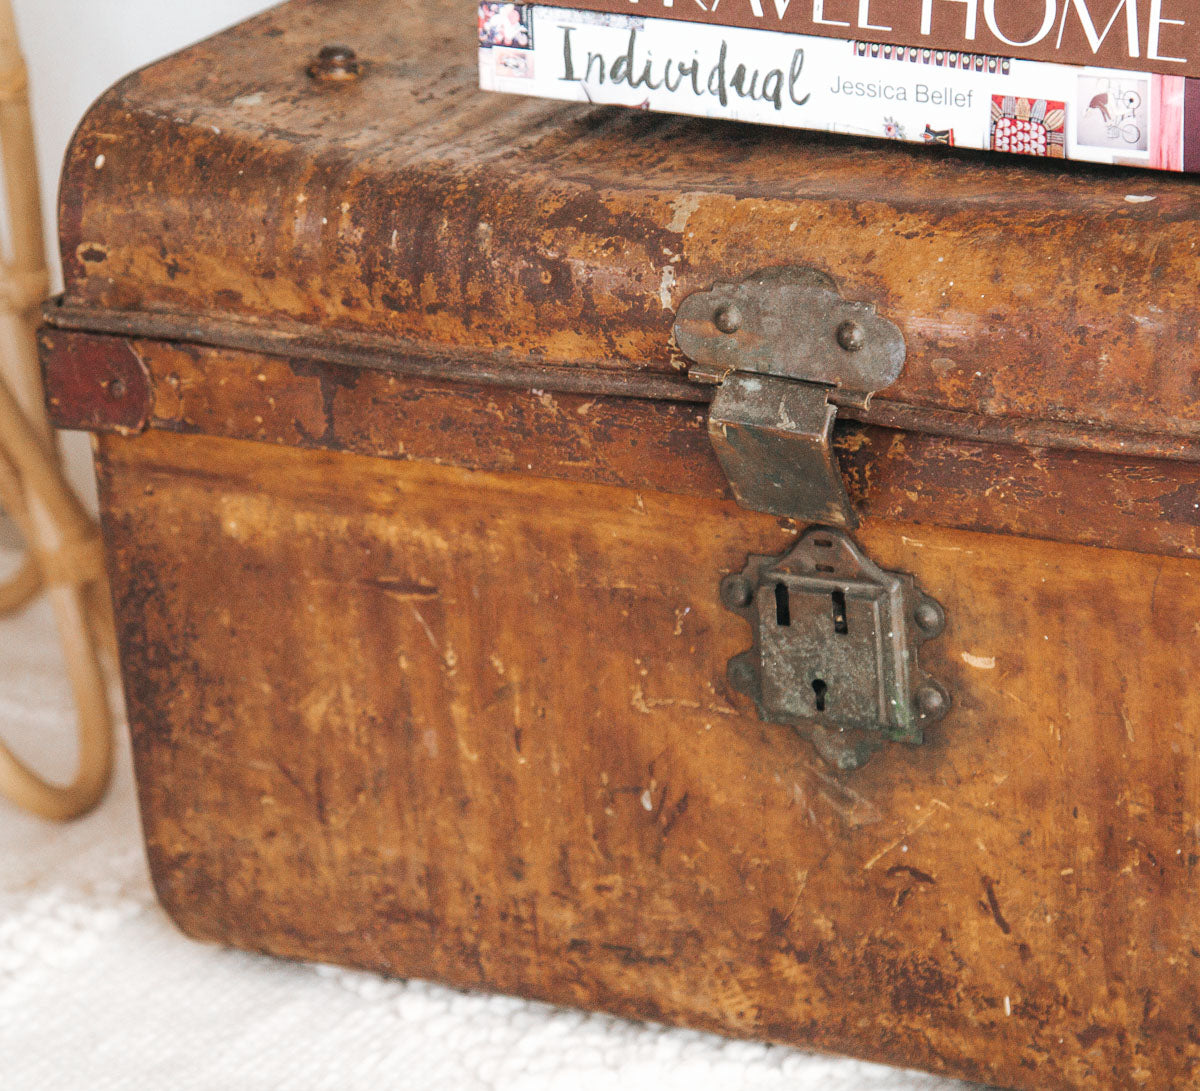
(75, 50)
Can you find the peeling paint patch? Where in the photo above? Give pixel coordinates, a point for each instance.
(666, 286)
(683, 208)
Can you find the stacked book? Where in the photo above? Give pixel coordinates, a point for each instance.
(1105, 81)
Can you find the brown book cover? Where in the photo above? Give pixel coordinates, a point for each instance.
(1159, 36)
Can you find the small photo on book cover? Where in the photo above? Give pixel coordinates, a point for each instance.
(1028, 126)
(507, 25)
(1114, 113)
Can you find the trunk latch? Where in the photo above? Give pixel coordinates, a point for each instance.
(785, 350)
(835, 636)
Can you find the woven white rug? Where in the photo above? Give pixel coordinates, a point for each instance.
(98, 991)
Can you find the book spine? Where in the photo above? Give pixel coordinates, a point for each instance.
(1156, 36)
(895, 92)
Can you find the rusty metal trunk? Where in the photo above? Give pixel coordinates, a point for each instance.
(418, 531)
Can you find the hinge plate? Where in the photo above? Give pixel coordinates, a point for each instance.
(836, 641)
(784, 345)
(792, 323)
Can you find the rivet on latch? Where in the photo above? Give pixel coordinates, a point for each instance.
(737, 592)
(930, 617)
(931, 700)
(851, 336)
(728, 319)
(335, 64)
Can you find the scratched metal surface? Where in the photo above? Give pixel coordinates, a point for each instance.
(427, 719)
(476, 728)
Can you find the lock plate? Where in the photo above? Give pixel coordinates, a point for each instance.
(836, 642)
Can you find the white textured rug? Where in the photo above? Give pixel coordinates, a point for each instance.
(98, 991)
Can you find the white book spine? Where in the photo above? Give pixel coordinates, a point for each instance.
(770, 77)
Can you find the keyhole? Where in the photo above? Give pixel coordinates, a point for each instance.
(840, 624)
(783, 605)
(819, 691)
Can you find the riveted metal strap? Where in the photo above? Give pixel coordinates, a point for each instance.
(779, 344)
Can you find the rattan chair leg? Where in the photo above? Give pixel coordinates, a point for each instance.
(72, 568)
(21, 588)
(65, 551)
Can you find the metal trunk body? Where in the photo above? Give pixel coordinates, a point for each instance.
(421, 545)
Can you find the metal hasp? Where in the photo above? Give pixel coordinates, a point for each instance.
(835, 647)
(835, 636)
(784, 346)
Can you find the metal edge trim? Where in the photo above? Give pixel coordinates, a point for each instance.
(351, 349)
